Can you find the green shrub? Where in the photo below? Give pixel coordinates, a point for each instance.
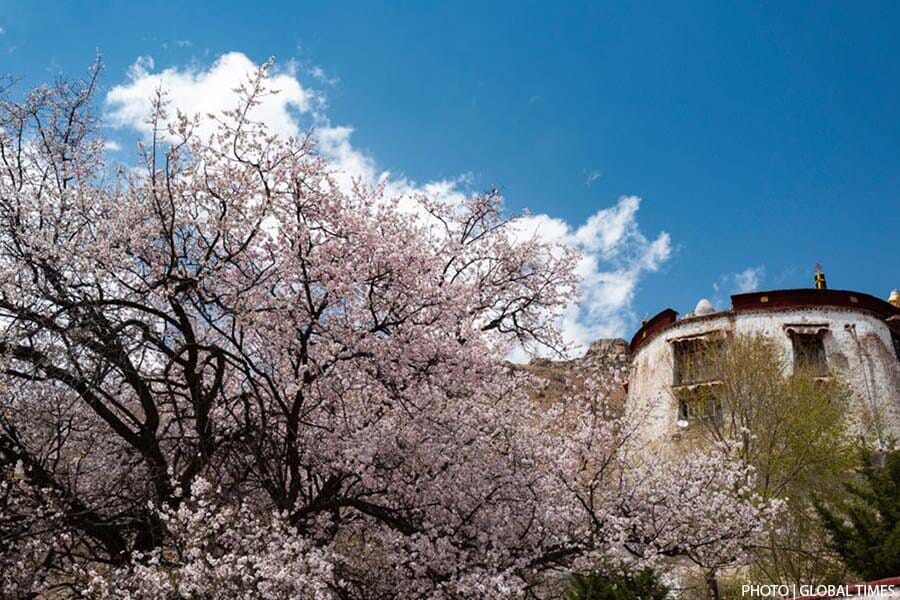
(610, 583)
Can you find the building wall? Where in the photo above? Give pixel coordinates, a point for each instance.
(858, 346)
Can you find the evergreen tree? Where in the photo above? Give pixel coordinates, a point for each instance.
(865, 529)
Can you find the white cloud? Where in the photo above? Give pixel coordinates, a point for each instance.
(739, 282)
(202, 92)
(321, 76)
(141, 65)
(112, 146)
(607, 228)
(593, 176)
(748, 280)
(616, 254)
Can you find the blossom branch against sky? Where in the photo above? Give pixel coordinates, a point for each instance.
(750, 141)
(616, 254)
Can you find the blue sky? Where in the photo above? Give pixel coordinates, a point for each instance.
(761, 137)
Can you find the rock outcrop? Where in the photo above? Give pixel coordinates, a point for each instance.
(607, 359)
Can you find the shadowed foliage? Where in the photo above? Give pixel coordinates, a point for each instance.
(865, 528)
(609, 583)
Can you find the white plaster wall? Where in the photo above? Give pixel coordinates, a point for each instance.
(857, 346)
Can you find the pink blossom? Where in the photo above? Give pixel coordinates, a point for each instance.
(224, 377)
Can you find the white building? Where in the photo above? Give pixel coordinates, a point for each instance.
(852, 334)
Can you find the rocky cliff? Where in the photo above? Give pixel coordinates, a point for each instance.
(608, 359)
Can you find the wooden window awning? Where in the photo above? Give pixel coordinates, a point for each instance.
(717, 334)
(805, 329)
(691, 387)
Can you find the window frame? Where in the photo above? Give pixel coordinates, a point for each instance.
(700, 404)
(809, 353)
(697, 402)
(684, 358)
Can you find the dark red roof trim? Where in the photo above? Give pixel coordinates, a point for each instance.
(776, 300)
(653, 326)
(812, 297)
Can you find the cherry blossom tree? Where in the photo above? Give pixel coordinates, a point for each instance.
(225, 376)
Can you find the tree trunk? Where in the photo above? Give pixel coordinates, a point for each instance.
(712, 585)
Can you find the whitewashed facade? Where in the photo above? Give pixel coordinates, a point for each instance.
(855, 335)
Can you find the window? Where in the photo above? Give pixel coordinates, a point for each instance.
(809, 354)
(705, 408)
(696, 379)
(695, 360)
